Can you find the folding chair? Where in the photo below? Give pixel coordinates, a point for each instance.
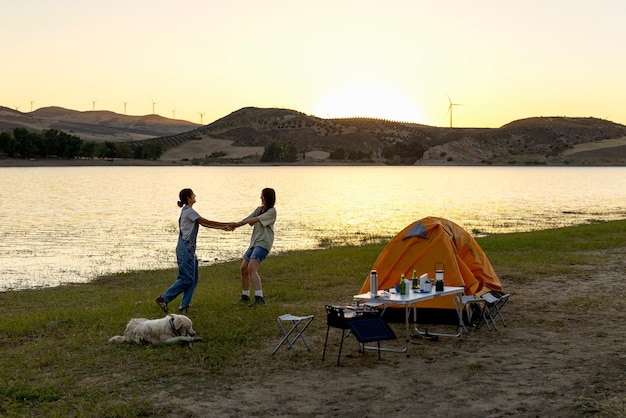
(371, 329)
(358, 323)
(298, 325)
(495, 301)
(471, 304)
(335, 318)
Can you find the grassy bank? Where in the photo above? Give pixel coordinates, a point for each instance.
(55, 360)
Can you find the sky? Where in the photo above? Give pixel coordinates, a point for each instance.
(496, 61)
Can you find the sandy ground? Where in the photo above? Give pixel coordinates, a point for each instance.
(206, 146)
(595, 146)
(562, 354)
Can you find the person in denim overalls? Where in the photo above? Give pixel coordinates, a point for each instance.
(189, 223)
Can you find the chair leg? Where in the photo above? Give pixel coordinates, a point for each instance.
(497, 307)
(340, 347)
(300, 334)
(325, 343)
(486, 316)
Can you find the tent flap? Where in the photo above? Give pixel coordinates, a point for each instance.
(417, 230)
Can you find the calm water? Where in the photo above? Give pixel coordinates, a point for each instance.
(71, 224)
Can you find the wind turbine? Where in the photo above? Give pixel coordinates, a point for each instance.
(31, 105)
(153, 103)
(174, 114)
(125, 103)
(93, 104)
(201, 116)
(450, 109)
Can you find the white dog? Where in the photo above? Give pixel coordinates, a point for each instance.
(171, 329)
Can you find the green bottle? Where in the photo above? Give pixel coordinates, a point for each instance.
(415, 283)
(402, 285)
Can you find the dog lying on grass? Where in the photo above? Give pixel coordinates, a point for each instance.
(168, 330)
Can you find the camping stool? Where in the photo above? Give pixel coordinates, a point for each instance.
(298, 325)
(466, 303)
(495, 301)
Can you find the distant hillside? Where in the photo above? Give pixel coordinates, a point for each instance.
(96, 125)
(541, 140)
(242, 137)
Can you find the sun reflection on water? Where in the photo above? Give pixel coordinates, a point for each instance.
(66, 225)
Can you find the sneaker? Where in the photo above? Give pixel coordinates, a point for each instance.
(244, 298)
(185, 309)
(258, 300)
(162, 304)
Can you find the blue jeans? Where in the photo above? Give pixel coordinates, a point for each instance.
(259, 253)
(187, 273)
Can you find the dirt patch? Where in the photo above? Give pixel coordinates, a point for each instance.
(560, 355)
(599, 146)
(204, 147)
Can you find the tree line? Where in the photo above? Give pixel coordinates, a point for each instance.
(52, 143)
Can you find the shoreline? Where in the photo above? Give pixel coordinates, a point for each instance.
(99, 277)
(16, 162)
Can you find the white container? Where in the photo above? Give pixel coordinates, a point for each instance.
(423, 281)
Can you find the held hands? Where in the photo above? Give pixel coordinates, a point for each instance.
(231, 226)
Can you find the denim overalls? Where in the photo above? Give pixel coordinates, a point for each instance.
(187, 269)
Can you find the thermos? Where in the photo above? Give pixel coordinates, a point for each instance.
(374, 283)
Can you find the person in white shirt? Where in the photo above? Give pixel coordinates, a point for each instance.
(187, 280)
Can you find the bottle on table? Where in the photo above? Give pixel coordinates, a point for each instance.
(402, 285)
(415, 284)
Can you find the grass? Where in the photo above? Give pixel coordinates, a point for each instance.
(55, 360)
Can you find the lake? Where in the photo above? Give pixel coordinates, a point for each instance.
(71, 224)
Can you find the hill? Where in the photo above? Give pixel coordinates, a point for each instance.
(542, 140)
(242, 137)
(96, 125)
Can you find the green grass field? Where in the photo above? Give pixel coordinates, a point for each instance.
(55, 359)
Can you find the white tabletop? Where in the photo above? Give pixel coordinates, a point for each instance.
(410, 298)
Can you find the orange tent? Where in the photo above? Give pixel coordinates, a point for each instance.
(428, 241)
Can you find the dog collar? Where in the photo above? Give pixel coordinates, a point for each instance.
(174, 330)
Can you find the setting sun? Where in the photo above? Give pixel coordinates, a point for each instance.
(371, 102)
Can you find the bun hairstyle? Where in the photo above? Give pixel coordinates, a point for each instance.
(184, 196)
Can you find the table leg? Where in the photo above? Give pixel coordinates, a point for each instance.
(406, 322)
(459, 328)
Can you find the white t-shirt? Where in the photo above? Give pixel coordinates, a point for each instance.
(263, 231)
(187, 222)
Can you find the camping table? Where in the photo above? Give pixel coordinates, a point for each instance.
(411, 300)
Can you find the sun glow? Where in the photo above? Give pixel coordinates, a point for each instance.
(371, 102)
